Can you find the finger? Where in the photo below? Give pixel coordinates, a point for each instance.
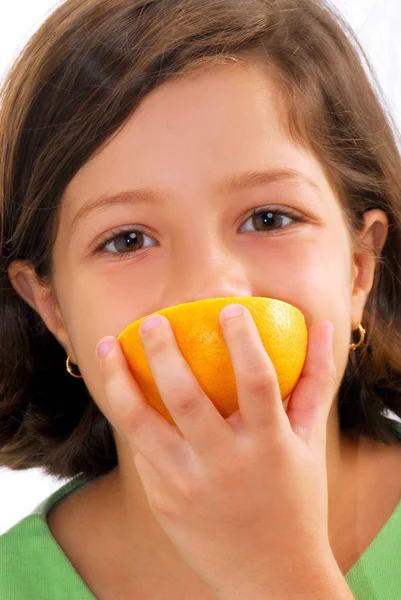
(145, 429)
(156, 490)
(259, 396)
(197, 418)
(310, 402)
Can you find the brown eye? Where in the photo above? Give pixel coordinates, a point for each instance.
(127, 241)
(265, 220)
(124, 241)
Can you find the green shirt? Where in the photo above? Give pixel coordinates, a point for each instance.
(34, 567)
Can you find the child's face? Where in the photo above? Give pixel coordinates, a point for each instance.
(185, 139)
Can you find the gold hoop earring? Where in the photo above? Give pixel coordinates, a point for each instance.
(68, 365)
(362, 333)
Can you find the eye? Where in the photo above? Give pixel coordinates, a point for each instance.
(124, 241)
(266, 219)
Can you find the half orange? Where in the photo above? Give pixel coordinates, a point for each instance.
(199, 336)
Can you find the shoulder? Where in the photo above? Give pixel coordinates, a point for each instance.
(32, 564)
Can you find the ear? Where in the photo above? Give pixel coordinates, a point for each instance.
(41, 298)
(370, 246)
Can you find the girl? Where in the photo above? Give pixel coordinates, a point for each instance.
(159, 152)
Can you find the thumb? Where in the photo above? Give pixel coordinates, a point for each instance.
(310, 402)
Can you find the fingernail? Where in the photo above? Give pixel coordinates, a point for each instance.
(151, 323)
(232, 310)
(105, 346)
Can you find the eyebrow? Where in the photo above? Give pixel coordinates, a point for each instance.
(237, 182)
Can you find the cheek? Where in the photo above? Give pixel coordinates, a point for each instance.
(320, 287)
(314, 276)
(312, 273)
(92, 314)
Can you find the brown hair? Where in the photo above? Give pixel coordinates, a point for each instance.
(76, 83)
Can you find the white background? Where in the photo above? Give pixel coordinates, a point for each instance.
(377, 24)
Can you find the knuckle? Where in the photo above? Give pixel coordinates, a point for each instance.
(134, 418)
(189, 492)
(160, 505)
(186, 401)
(278, 447)
(158, 345)
(257, 386)
(259, 378)
(128, 415)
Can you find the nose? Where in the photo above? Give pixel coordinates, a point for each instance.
(210, 273)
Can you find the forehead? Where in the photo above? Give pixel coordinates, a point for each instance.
(194, 131)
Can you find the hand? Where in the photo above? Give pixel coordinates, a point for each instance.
(243, 499)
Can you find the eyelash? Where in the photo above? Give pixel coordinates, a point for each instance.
(119, 231)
